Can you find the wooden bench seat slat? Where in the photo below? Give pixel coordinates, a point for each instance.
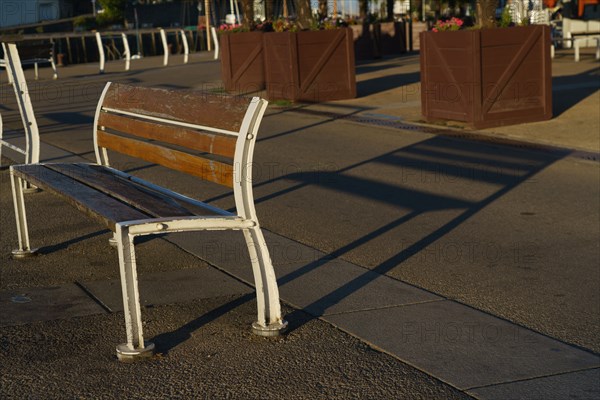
(140, 197)
(209, 170)
(105, 209)
(177, 135)
(207, 109)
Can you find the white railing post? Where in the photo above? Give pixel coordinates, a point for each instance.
(213, 33)
(127, 52)
(100, 51)
(163, 37)
(186, 47)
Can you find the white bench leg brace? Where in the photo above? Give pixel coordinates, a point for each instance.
(135, 348)
(24, 249)
(269, 321)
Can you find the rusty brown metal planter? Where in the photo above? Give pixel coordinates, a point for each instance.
(487, 77)
(242, 62)
(310, 66)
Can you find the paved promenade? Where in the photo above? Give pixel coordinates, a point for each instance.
(414, 261)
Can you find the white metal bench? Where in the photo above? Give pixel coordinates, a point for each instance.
(35, 53)
(208, 136)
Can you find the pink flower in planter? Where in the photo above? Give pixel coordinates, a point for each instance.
(453, 24)
(230, 28)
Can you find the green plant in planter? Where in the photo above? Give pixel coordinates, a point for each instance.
(285, 25)
(505, 19)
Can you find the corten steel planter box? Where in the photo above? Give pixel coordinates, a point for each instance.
(310, 66)
(487, 77)
(242, 61)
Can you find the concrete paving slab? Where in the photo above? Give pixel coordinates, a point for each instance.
(170, 287)
(24, 306)
(462, 346)
(228, 250)
(307, 278)
(48, 153)
(576, 385)
(205, 351)
(336, 286)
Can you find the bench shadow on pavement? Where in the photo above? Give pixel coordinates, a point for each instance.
(500, 168)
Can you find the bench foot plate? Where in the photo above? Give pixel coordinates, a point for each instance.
(31, 189)
(19, 254)
(270, 330)
(126, 354)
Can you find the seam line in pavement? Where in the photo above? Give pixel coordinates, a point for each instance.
(380, 349)
(91, 295)
(416, 303)
(532, 378)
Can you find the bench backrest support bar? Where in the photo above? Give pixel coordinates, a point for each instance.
(202, 134)
(32, 135)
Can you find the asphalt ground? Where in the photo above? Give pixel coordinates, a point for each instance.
(508, 230)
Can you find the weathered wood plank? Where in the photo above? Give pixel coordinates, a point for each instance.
(91, 202)
(195, 107)
(177, 135)
(209, 170)
(140, 197)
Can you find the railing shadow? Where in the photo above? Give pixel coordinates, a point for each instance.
(573, 90)
(491, 171)
(503, 168)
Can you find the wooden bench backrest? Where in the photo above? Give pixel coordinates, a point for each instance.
(181, 130)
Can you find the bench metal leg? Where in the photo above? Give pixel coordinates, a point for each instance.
(269, 322)
(24, 249)
(135, 348)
